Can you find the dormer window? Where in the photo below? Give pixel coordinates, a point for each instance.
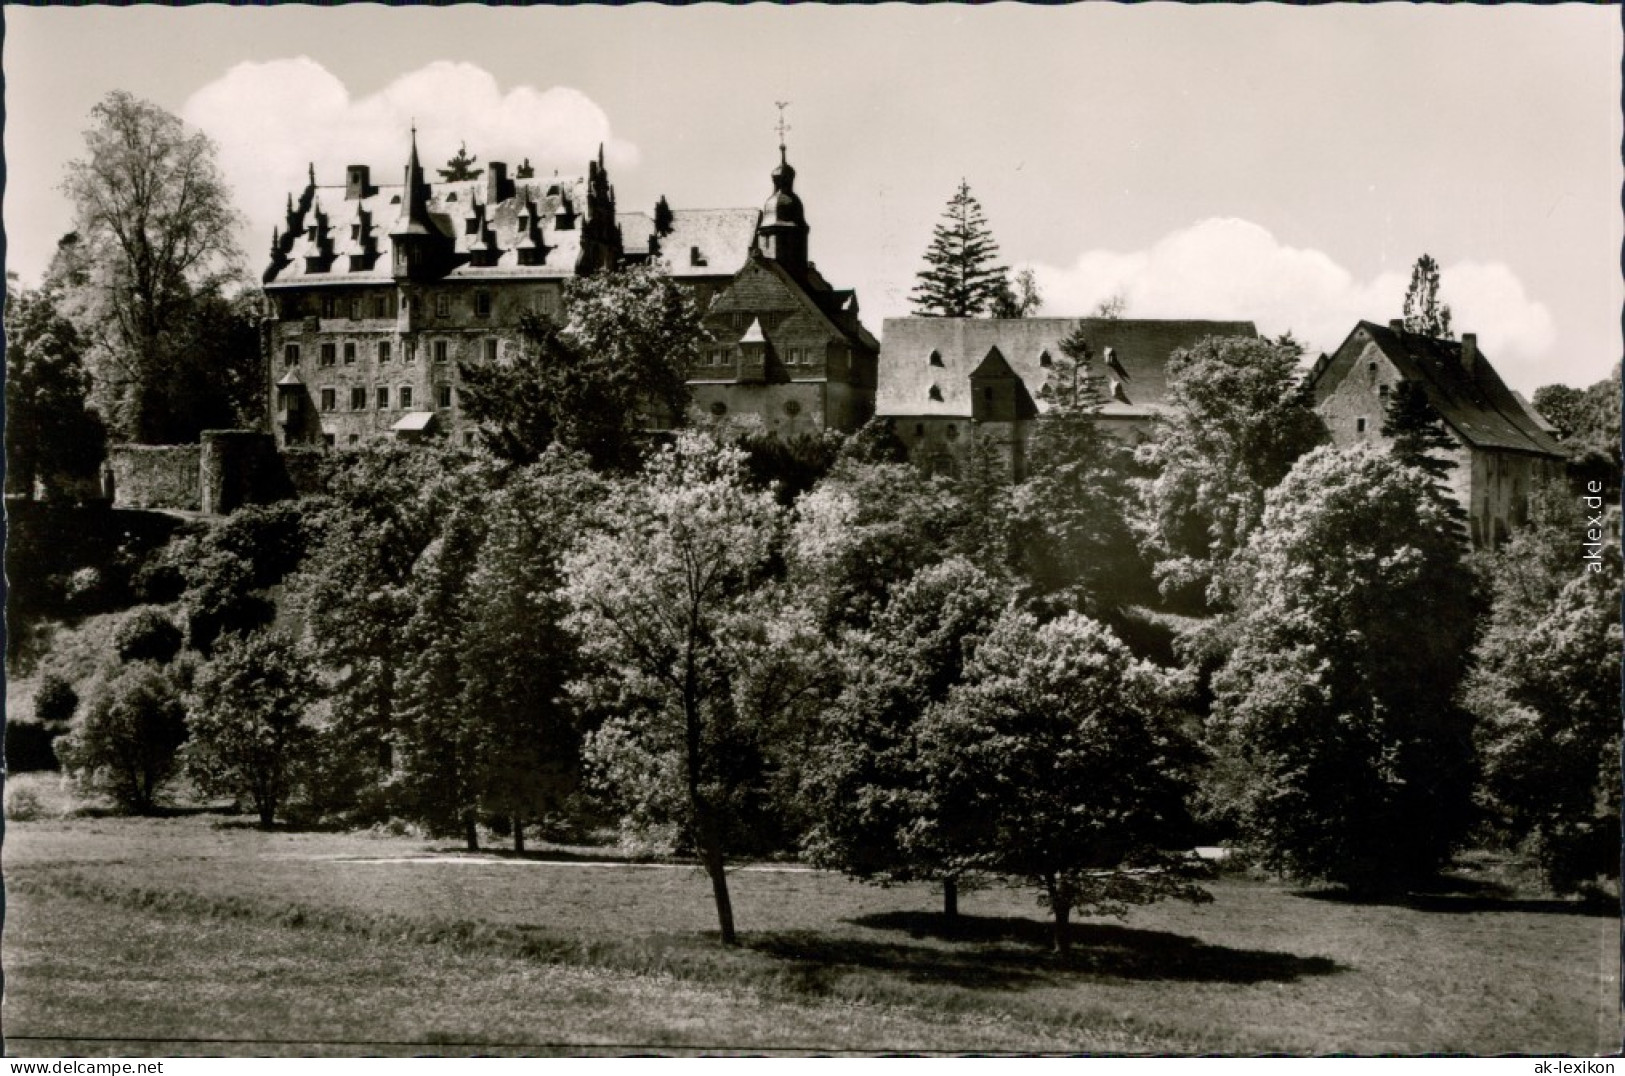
(935, 393)
(1045, 361)
(936, 360)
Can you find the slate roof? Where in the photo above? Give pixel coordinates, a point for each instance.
(723, 237)
(1136, 386)
(452, 208)
(1479, 407)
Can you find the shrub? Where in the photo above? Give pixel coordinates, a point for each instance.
(22, 803)
(148, 635)
(28, 747)
(126, 743)
(55, 701)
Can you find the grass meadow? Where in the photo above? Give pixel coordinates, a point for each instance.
(198, 934)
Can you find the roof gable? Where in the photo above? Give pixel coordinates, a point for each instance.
(1132, 353)
(1478, 406)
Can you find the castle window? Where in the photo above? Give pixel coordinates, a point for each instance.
(383, 397)
(327, 306)
(987, 395)
(330, 354)
(290, 354)
(383, 351)
(1359, 425)
(439, 351)
(358, 398)
(330, 399)
(936, 358)
(1045, 361)
(329, 440)
(1382, 390)
(482, 304)
(380, 306)
(442, 306)
(406, 397)
(443, 396)
(355, 439)
(355, 309)
(935, 393)
(490, 349)
(1371, 368)
(919, 429)
(695, 257)
(349, 352)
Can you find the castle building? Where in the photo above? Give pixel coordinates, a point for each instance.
(1504, 448)
(374, 293)
(948, 384)
(789, 356)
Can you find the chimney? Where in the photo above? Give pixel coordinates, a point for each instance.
(1469, 353)
(1397, 325)
(497, 188)
(356, 177)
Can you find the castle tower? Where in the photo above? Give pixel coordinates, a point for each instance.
(782, 236)
(415, 236)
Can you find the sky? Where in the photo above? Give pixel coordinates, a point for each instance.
(1281, 164)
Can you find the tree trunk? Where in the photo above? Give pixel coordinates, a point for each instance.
(267, 812)
(1060, 903)
(717, 869)
(950, 898)
(471, 833)
(1063, 912)
(519, 833)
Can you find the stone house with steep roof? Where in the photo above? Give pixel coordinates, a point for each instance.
(1504, 448)
(949, 384)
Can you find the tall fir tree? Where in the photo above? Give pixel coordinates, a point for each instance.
(462, 167)
(1424, 314)
(961, 278)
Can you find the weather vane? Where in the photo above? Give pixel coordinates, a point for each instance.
(782, 126)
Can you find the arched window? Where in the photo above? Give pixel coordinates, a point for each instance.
(935, 393)
(1045, 361)
(936, 358)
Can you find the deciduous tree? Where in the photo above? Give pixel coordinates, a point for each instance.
(616, 369)
(152, 254)
(126, 742)
(1060, 762)
(50, 435)
(1339, 699)
(666, 597)
(1238, 419)
(249, 736)
(867, 794)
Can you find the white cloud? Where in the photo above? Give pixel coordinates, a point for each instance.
(1229, 268)
(273, 119)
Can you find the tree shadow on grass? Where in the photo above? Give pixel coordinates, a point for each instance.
(1005, 952)
(1489, 899)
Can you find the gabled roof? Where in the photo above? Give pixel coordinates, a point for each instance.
(451, 209)
(1478, 406)
(813, 302)
(1136, 369)
(723, 239)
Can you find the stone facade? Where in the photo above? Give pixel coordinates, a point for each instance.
(375, 293)
(1502, 450)
(951, 384)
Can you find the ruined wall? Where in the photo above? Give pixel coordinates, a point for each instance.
(155, 476)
